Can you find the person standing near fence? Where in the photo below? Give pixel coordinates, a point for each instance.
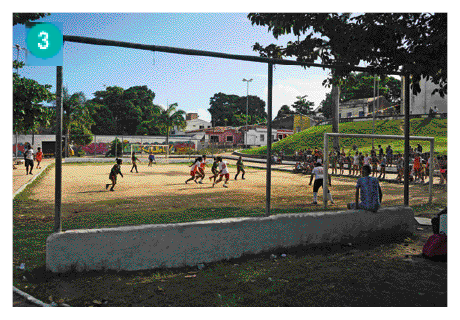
(370, 191)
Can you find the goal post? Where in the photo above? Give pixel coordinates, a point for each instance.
(375, 136)
(146, 149)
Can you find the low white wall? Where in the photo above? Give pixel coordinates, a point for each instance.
(188, 244)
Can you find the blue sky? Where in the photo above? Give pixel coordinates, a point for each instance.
(188, 80)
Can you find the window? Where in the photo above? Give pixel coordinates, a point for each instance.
(201, 127)
(340, 115)
(214, 138)
(229, 138)
(280, 136)
(349, 114)
(262, 138)
(361, 114)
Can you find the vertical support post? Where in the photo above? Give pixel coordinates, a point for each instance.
(373, 116)
(95, 145)
(58, 176)
(430, 188)
(269, 139)
(335, 114)
(406, 137)
(325, 171)
(16, 146)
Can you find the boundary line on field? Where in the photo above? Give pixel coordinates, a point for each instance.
(31, 180)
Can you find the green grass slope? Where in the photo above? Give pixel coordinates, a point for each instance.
(314, 136)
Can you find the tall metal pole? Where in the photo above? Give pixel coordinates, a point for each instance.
(406, 137)
(269, 139)
(247, 106)
(325, 171)
(430, 188)
(373, 116)
(58, 183)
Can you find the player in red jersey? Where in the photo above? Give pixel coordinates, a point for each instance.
(194, 168)
(223, 172)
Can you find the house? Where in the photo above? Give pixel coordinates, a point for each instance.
(223, 136)
(193, 124)
(364, 107)
(256, 135)
(294, 122)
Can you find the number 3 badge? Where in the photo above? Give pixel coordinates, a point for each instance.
(44, 40)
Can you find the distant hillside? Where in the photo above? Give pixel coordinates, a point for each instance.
(314, 136)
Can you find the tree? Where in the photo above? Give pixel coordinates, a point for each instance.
(171, 117)
(22, 18)
(28, 110)
(284, 111)
(302, 105)
(327, 106)
(227, 110)
(414, 43)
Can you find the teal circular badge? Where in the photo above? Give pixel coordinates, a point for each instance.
(44, 40)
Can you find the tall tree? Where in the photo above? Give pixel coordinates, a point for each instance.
(227, 110)
(387, 42)
(171, 117)
(284, 111)
(302, 105)
(77, 117)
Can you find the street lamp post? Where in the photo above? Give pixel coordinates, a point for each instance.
(247, 104)
(18, 47)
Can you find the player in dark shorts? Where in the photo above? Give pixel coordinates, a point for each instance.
(317, 173)
(240, 168)
(116, 169)
(134, 160)
(214, 170)
(151, 159)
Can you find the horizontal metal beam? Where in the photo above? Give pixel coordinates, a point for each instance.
(192, 52)
(378, 136)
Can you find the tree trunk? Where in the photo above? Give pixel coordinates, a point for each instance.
(335, 114)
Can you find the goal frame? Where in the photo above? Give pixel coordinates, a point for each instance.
(165, 146)
(374, 136)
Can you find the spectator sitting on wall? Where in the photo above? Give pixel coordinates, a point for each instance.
(371, 193)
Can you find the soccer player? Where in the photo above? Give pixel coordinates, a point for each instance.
(151, 159)
(201, 169)
(39, 157)
(240, 168)
(134, 160)
(223, 172)
(318, 173)
(29, 159)
(417, 168)
(194, 168)
(383, 164)
(214, 171)
(116, 169)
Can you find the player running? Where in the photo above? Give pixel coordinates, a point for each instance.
(194, 168)
(318, 173)
(116, 169)
(214, 170)
(201, 170)
(223, 172)
(240, 168)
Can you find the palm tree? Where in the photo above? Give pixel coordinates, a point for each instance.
(77, 114)
(169, 118)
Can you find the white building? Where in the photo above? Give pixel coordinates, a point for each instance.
(192, 125)
(257, 135)
(422, 102)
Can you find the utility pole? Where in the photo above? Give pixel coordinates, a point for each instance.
(247, 104)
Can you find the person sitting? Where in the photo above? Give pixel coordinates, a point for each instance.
(371, 193)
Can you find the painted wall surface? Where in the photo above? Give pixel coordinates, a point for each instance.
(101, 144)
(422, 102)
(188, 244)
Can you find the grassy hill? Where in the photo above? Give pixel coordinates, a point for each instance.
(314, 136)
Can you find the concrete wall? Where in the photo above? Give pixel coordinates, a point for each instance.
(188, 244)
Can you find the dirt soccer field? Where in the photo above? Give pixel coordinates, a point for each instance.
(161, 189)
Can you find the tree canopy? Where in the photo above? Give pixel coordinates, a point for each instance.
(22, 18)
(414, 43)
(230, 110)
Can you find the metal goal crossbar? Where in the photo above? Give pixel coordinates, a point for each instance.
(377, 136)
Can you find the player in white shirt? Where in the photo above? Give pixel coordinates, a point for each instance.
(223, 172)
(318, 173)
(29, 159)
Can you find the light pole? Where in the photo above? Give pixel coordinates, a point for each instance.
(18, 47)
(247, 104)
